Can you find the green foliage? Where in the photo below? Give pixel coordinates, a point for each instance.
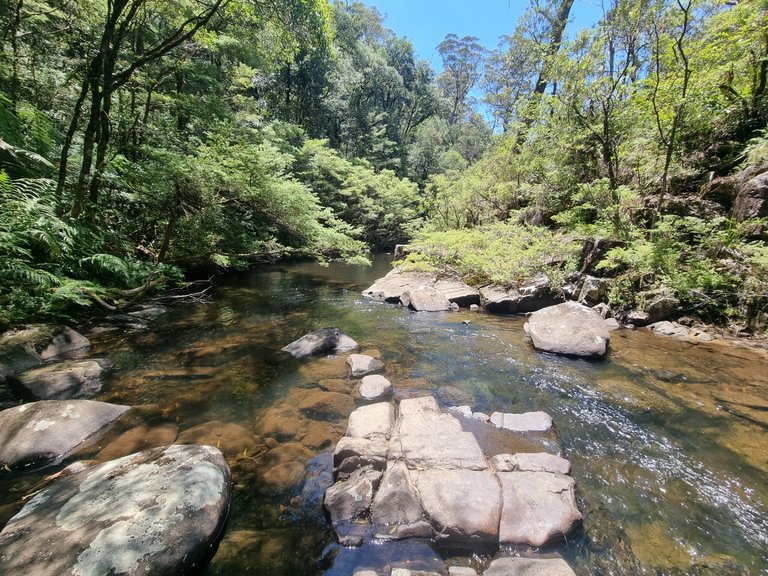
(504, 253)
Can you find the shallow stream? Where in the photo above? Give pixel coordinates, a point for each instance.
(669, 440)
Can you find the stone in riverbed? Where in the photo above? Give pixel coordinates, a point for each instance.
(530, 462)
(374, 387)
(570, 329)
(323, 341)
(43, 433)
(350, 499)
(395, 284)
(31, 346)
(395, 501)
(155, 512)
(525, 422)
(425, 299)
(353, 453)
(462, 505)
(362, 364)
(539, 508)
(534, 296)
(231, 439)
(321, 405)
(372, 421)
(515, 566)
(62, 380)
(457, 292)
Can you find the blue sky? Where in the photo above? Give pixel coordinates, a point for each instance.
(426, 22)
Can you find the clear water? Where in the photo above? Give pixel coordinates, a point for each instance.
(669, 441)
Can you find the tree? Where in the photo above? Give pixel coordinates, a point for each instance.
(462, 70)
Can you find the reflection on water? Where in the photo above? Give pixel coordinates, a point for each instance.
(668, 440)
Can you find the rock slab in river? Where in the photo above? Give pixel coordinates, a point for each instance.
(31, 346)
(154, 512)
(323, 341)
(374, 387)
(570, 329)
(45, 432)
(516, 566)
(534, 296)
(425, 299)
(362, 364)
(62, 380)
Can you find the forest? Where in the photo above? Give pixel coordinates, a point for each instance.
(142, 142)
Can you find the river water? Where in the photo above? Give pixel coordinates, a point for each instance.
(669, 440)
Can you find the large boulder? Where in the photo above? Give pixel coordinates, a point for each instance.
(518, 566)
(33, 345)
(43, 433)
(154, 512)
(458, 292)
(533, 296)
(539, 508)
(570, 329)
(425, 299)
(752, 199)
(395, 284)
(323, 341)
(62, 380)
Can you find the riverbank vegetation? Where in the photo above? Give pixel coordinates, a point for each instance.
(140, 141)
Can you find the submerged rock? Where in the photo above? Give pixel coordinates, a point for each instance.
(43, 433)
(62, 380)
(425, 299)
(570, 329)
(155, 512)
(323, 341)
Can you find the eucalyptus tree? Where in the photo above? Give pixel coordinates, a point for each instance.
(463, 60)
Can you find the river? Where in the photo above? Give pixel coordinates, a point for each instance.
(669, 440)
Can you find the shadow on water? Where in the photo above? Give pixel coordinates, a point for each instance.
(669, 441)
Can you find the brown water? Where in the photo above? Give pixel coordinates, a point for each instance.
(669, 441)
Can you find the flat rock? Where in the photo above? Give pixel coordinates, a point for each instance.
(457, 292)
(395, 501)
(395, 284)
(516, 566)
(417, 406)
(62, 380)
(45, 432)
(31, 346)
(374, 387)
(530, 462)
(528, 298)
(450, 451)
(323, 341)
(462, 505)
(155, 512)
(570, 329)
(362, 364)
(372, 421)
(539, 508)
(353, 453)
(525, 422)
(350, 499)
(425, 299)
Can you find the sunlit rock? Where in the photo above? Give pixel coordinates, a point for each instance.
(570, 329)
(323, 341)
(362, 364)
(372, 421)
(517, 566)
(31, 346)
(155, 512)
(525, 422)
(425, 299)
(374, 387)
(530, 462)
(45, 432)
(351, 499)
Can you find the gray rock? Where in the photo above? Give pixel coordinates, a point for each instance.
(569, 328)
(323, 341)
(149, 312)
(592, 290)
(611, 324)
(525, 422)
(457, 292)
(530, 462)
(752, 199)
(45, 432)
(667, 328)
(661, 306)
(462, 505)
(374, 387)
(31, 346)
(528, 298)
(603, 309)
(539, 508)
(154, 512)
(62, 380)
(350, 499)
(395, 284)
(419, 529)
(474, 307)
(465, 411)
(416, 406)
(353, 453)
(372, 421)
(461, 571)
(515, 566)
(362, 364)
(396, 501)
(425, 299)
(441, 451)
(637, 318)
